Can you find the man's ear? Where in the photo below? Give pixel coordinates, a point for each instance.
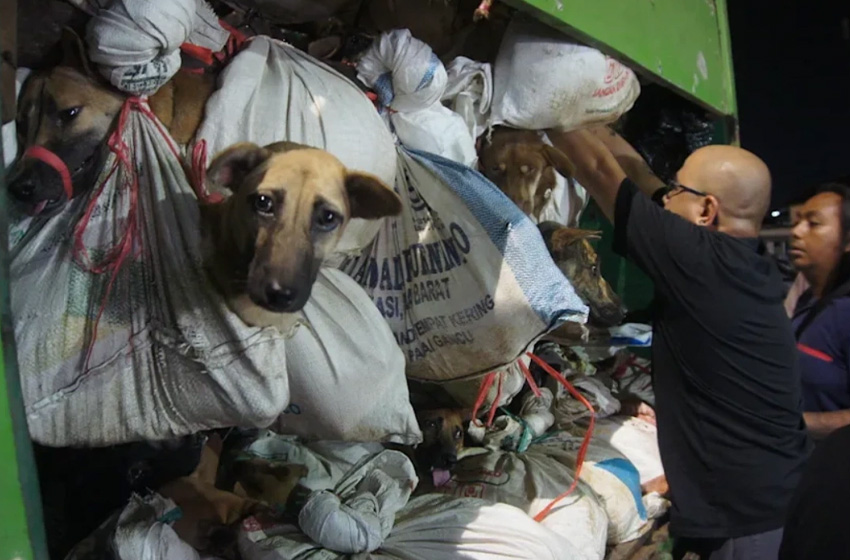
(710, 211)
(230, 167)
(369, 198)
(74, 52)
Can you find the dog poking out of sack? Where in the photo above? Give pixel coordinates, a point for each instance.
(524, 167)
(289, 207)
(71, 109)
(572, 252)
(443, 432)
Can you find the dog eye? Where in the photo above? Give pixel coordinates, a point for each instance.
(327, 220)
(69, 115)
(430, 423)
(458, 433)
(263, 204)
(496, 170)
(594, 268)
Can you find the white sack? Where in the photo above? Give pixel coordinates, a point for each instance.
(140, 535)
(613, 479)
(351, 381)
(530, 481)
(636, 439)
(430, 527)
(358, 515)
(462, 276)
(136, 43)
(271, 91)
(410, 81)
(543, 80)
(469, 92)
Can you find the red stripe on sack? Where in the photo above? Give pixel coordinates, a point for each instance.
(814, 353)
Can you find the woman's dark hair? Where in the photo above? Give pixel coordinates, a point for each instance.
(839, 284)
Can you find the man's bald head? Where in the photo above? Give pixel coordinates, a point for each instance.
(739, 180)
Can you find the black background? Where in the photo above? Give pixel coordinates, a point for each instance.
(792, 73)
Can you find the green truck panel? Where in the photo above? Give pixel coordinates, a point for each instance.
(684, 45)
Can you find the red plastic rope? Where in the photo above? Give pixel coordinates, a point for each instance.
(198, 174)
(43, 154)
(482, 394)
(495, 405)
(114, 259)
(528, 379)
(582, 452)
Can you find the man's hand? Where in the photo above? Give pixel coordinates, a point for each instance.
(596, 168)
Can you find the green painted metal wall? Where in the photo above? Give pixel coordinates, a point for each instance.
(683, 44)
(21, 526)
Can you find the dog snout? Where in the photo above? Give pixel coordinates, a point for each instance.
(280, 298)
(448, 460)
(23, 189)
(607, 315)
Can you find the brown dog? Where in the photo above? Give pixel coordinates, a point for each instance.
(70, 110)
(572, 252)
(289, 207)
(523, 166)
(209, 515)
(443, 431)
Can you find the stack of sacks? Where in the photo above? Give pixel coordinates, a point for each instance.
(462, 276)
(410, 82)
(358, 509)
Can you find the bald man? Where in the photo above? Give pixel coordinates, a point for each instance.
(727, 388)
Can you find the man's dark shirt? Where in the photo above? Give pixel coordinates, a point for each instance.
(727, 385)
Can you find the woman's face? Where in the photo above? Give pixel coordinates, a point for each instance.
(817, 242)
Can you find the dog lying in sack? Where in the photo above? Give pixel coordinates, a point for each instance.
(524, 167)
(69, 110)
(289, 207)
(443, 441)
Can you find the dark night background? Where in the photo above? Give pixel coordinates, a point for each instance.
(792, 73)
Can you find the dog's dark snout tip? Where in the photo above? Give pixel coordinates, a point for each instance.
(279, 296)
(450, 460)
(22, 189)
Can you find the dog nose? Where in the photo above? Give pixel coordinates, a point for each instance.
(280, 297)
(449, 460)
(23, 190)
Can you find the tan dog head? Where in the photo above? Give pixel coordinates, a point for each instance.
(574, 255)
(523, 167)
(289, 206)
(69, 111)
(443, 430)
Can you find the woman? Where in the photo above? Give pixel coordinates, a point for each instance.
(820, 249)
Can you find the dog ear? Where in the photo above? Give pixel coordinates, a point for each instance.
(74, 52)
(369, 197)
(230, 167)
(566, 236)
(562, 164)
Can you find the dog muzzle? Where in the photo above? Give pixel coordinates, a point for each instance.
(43, 154)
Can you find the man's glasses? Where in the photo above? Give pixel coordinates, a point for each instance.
(676, 188)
